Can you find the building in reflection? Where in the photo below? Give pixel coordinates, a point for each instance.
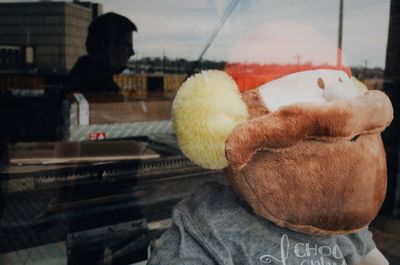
(44, 35)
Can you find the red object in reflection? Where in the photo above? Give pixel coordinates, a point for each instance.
(249, 76)
(97, 136)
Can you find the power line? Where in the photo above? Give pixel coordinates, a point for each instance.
(222, 21)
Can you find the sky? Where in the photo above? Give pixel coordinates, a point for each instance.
(280, 31)
(263, 31)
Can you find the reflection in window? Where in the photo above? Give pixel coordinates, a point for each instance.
(89, 177)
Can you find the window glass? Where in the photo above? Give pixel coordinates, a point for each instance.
(90, 166)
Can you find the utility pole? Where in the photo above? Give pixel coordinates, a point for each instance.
(163, 60)
(364, 76)
(298, 59)
(339, 50)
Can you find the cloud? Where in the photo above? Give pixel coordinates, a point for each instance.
(366, 38)
(170, 24)
(284, 42)
(182, 28)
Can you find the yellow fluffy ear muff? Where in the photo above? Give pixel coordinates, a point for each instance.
(206, 109)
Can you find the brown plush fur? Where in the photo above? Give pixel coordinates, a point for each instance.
(314, 168)
(255, 105)
(342, 119)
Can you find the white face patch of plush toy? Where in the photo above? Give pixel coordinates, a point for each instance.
(318, 86)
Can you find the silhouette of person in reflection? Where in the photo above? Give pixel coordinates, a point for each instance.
(109, 46)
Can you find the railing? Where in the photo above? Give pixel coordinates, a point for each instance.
(138, 85)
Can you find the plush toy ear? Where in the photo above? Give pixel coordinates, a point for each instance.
(206, 109)
(359, 85)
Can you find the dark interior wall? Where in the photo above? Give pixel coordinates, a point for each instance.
(391, 135)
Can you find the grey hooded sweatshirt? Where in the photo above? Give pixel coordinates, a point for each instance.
(214, 226)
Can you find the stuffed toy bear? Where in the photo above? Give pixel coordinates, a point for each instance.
(305, 163)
